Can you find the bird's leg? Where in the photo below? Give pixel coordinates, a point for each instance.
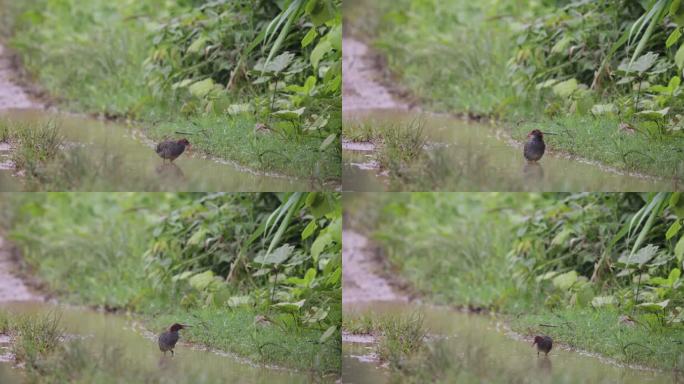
(537, 353)
(172, 352)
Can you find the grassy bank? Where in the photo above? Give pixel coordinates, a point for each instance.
(183, 258)
(540, 66)
(137, 60)
(567, 261)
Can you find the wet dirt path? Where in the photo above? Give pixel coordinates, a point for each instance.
(12, 96)
(360, 279)
(12, 288)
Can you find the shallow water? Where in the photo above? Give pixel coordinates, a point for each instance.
(478, 157)
(190, 172)
(487, 336)
(140, 351)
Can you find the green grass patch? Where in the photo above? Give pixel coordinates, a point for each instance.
(647, 342)
(601, 140)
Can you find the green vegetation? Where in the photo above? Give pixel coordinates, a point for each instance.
(605, 76)
(260, 272)
(603, 270)
(258, 83)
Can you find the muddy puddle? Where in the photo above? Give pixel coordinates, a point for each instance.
(138, 348)
(490, 346)
(470, 156)
(136, 159)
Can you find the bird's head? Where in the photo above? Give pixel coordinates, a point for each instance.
(537, 340)
(184, 142)
(177, 327)
(535, 133)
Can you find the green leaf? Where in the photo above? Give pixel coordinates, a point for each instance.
(238, 301)
(198, 237)
(654, 307)
(309, 37)
(278, 256)
(198, 45)
(290, 115)
(602, 301)
(279, 63)
(679, 57)
(201, 280)
(327, 334)
(673, 230)
(641, 257)
(290, 307)
(565, 88)
(673, 38)
(328, 140)
(202, 88)
(603, 109)
(565, 280)
(321, 49)
(562, 237)
(679, 249)
(319, 245)
(309, 229)
(641, 65)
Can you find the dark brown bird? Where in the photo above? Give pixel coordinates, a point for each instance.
(544, 344)
(534, 147)
(170, 150)
(167, 340)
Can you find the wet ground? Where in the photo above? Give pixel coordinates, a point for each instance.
(133, 157)
(465, 155)
(126, 146)
(137, 346)
(486, 340)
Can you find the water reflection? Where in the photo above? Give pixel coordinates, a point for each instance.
(533, 171)
(170, 172)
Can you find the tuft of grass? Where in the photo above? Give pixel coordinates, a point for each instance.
(38, 144)
(36, 337)
(401, 337)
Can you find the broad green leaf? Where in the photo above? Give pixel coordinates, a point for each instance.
(679, 249)
(279, 63)
(201, 280)
(198, 237)
(679, 57)
(602, 301)
(640, 65)
(290, 115)
(238, 301)
(562, 237)
(328, 140)
(641, 257)
(327, 334)
(202, 88)
(309, 229)
(278, 256)
(565, 280)
(673, 230)
(290, 307)
(654, 307)
(673, 38)
(319, 245)
(309, 37)
(603, 109)
(198, 45)
(321, 49)
(565, 88)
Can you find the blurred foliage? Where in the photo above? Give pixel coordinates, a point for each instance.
(508, 251)
(275, 255)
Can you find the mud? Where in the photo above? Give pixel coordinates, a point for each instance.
(360, 279)
(12, 288)
(12, 96)
(360, 86)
